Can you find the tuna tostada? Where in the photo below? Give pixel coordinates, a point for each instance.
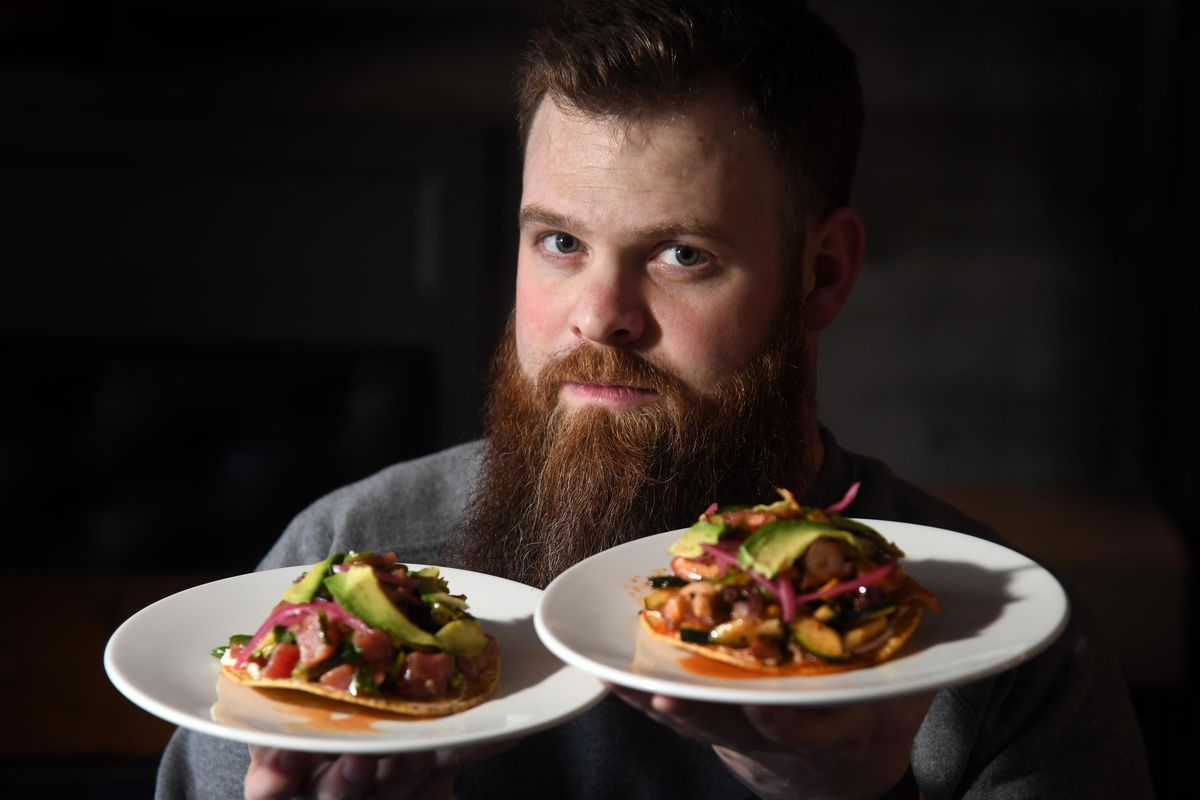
(364, 629)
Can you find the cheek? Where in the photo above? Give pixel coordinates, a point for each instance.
(532, 326)
(700, 350)
(705, 346)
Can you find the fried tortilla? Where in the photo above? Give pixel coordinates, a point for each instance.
(472, 692)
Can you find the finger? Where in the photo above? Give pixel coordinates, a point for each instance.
(401, 776)
(712, 723)
(349, 776)
(430, 776)
(799, 728)
(454, 760)
(706, 725)
(276, 774)
(438, 786)
(642, 701)
(639, 700)
(844, 726)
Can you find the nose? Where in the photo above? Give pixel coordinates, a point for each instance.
(609, 308)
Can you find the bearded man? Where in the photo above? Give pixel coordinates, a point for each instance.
(684, 236)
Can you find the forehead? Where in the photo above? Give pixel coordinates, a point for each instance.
(702, 159)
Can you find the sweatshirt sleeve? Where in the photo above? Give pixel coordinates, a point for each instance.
(1060, 725)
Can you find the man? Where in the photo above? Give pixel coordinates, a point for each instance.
(684, 236)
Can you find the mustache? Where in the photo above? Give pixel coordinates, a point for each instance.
(609, 366)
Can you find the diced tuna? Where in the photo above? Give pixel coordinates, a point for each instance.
(282, 661)
(338, 678)
(318, 639)
(425, 675)
(482, 662)
(377, 652)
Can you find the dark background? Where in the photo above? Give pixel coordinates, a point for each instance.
(252, 251)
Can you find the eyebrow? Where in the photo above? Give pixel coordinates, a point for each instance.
(532, 215)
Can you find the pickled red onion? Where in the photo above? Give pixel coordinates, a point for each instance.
(782, 587)
(787, 598)
(846, 500)
(721, 555)
(286, 612)
(869, 579)
(394, 579)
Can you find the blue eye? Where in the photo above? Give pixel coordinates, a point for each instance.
(682, 255)
(562, 244)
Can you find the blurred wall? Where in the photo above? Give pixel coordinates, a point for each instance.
(345, 174)
(1017, 165)
(250, 256)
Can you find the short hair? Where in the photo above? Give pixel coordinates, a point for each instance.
(796, 80)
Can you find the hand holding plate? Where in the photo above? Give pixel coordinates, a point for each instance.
(854, 750)
(283, 774)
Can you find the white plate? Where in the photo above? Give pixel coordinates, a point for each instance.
(998, 608)
(160, 659)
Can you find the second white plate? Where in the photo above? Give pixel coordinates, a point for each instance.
(998, 608)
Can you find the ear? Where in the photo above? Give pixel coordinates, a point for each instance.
(833, 255)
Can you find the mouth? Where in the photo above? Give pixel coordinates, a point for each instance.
(604, 394)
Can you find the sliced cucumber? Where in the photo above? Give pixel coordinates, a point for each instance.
(826, 613)
(818, 638)
(735, 633)
(656, 599)
(742, 632)
(865, 635)
(770, 629)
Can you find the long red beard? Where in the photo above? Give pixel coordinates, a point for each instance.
(559, 484)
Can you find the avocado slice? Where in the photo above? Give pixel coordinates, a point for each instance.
(445, 608)
(448, 600)
(866, 530)
(462, 637)
(303, 590)
(776, 545)
(702, 532)
(358, 591)
(777, 507)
